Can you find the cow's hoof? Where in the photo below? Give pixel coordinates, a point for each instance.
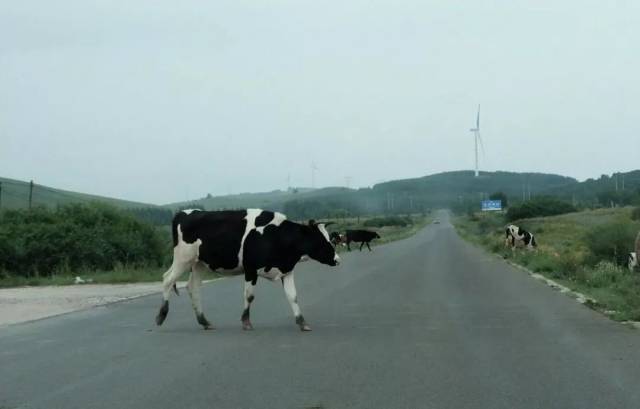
(304, 327)
(202, 320)
(246, 325)
(162, 314)
(207, 327)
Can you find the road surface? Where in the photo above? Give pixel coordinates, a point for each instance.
(428, 322)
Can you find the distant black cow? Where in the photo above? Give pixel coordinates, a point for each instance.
(250, 242)
(516, 236)
(360, 236)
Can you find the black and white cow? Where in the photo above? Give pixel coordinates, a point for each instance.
(252, 242)
(361, 236)
(632, 261)
(516, 236)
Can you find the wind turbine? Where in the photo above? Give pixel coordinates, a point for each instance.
(313, 174)
(477, 139)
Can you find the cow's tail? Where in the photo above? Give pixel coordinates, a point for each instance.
(177, 219)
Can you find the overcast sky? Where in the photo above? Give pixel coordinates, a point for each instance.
(161, 100)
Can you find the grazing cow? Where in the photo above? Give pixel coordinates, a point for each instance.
(632, 260)
(516, 236)
(252, 242)
(361, 236)
(337, 238)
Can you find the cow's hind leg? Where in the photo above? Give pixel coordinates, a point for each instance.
(290, 291)
(249, 286)
(193, 287)
(169, 279)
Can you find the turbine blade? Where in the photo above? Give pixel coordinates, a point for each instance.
(478, 118)
(481, 144)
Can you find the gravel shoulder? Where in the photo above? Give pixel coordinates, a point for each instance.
(32, 303)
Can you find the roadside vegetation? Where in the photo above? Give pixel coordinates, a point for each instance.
(94, 241)
(103, 244)
(585, 251)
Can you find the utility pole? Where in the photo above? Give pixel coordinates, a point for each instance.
(30, 193)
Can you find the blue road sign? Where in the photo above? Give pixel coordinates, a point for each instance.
(491, 205)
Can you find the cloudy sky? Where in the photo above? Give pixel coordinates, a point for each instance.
(161, 100)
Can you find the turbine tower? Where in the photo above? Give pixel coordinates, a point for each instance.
(314, 167)
(477, 140)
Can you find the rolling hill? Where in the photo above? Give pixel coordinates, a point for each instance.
(15, 195)
(399, 196)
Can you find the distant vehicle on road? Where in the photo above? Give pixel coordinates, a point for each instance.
(436, 221)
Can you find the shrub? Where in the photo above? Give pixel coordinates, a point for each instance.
(539, 207)
(635, 213)
(611, 242)
(73, 237)
(502, 197)
(388, 221)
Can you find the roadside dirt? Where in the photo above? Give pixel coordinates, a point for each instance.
(31, 303)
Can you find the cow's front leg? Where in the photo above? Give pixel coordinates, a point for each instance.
(290, 291)
(249, 286)
(369, 247)
(361, 245)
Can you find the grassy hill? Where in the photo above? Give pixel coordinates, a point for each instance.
(448, 189)
(619, 188)
(15, 195)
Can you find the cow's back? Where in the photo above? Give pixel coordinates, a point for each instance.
(360, 235)
(220, 233)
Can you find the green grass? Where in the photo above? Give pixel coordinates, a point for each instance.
(565, 255)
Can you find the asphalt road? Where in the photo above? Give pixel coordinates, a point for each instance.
(428, 322)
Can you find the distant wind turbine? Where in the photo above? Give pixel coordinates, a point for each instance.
(478, 140)
(313, 174)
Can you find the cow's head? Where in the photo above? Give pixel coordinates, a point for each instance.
(377, 236)
(318, 244)
(337, 239)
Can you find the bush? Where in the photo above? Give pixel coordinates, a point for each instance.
(635, 213)
(502, 197)
(74, 237)
(611, 242)
(539, 207)
(388, 221)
